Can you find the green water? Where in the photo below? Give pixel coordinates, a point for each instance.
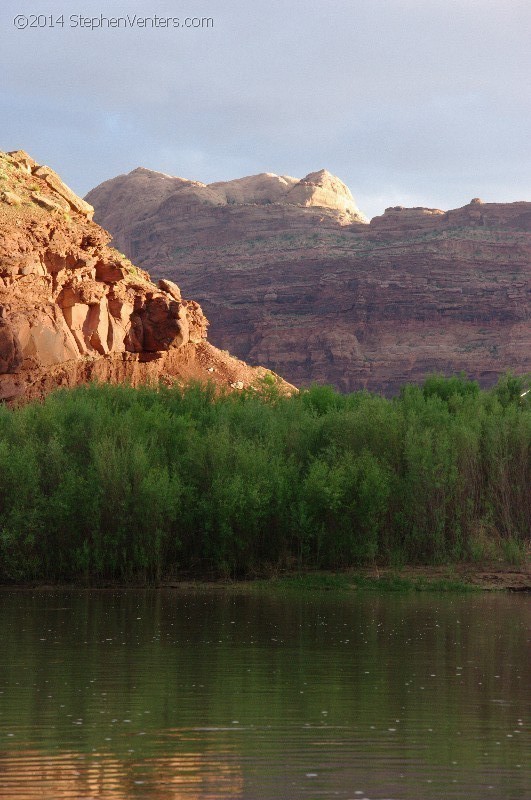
(212, 695)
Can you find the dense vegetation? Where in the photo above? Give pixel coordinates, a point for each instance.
(118, 482)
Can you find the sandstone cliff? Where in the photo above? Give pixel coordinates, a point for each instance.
(73, 309)
(292, 277)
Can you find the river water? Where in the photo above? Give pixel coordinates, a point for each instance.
(215, 694)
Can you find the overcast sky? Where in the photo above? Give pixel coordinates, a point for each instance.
(411, 102)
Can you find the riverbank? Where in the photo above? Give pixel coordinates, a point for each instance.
(492, 576)
(426, 578)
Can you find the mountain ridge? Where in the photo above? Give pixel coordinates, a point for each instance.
(319, 296)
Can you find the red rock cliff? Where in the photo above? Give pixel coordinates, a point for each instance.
(73, 309)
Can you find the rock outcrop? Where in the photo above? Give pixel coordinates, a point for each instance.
(73, 309)
(291, 275)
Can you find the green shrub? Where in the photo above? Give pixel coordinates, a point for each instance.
(114, 482)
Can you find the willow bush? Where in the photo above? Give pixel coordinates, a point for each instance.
(114, 482)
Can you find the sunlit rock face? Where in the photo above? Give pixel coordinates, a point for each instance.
(74, 309)
(291, 275)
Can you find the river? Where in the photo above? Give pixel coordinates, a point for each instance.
(214, 694)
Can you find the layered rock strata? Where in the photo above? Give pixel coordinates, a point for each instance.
(292, 276)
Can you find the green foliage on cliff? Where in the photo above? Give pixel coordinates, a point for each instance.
(118, 482)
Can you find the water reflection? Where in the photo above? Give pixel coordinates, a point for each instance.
(217, 695)
(30, 774)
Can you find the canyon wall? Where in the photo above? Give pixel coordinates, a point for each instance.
(292, 275)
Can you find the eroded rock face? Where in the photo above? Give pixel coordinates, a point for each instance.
(324, 190)
(73, 308)
(157, 215)
(10, 349)
(316, 294)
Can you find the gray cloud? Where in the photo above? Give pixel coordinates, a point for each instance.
(415, 102)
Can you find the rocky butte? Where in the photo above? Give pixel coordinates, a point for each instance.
(74, 309)
(292, 275)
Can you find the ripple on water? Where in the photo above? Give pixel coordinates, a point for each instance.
(160, 695)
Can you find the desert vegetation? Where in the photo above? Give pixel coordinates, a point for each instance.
(114, 482)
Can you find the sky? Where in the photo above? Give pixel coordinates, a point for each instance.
(408, 102)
